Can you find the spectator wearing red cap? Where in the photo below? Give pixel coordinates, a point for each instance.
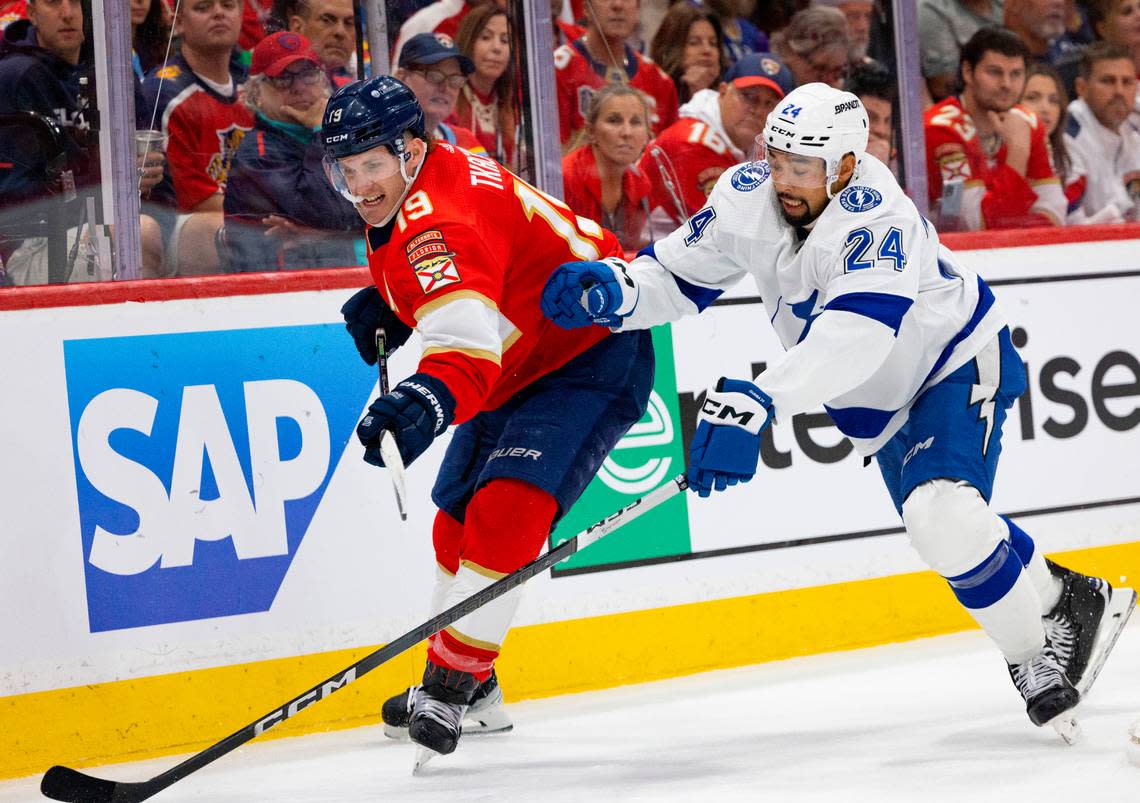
(434, 69)
(281, 210)
(601, 179)
(717, 130)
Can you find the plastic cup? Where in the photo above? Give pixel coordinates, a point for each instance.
(149, 141)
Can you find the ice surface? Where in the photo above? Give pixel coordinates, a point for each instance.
(930, 720)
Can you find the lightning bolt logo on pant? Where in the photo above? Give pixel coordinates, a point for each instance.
(983, 396)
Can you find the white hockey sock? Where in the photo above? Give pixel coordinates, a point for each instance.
(1049, 588)
(443, 583)
(1013, 623)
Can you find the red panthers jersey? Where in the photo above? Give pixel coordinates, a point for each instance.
(578, 76)
(693, 154)
(994, 194)
(464, 262)
(203, 130)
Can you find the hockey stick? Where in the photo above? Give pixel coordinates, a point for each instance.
(389, 452)
(64, 783)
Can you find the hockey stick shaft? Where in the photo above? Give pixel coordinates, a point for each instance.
(62, 783)
(389, 452)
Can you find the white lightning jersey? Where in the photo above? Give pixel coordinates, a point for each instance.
(870, 307)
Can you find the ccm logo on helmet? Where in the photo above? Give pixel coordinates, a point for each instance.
(846, 107)
(783, 131)
(336, 138)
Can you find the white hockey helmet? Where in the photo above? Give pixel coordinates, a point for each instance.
(821, 121)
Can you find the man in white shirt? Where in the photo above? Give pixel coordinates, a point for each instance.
(1105, 152)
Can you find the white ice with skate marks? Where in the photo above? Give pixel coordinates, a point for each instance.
(932, 720)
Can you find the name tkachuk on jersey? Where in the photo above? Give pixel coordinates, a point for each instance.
(888, 309)
(464, 262)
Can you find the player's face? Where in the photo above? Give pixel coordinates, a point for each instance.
(621, 131)
(1043, 99)
(800, 185)
(615, 19)
(1122, 23)
(491, 50)
(374, 176)
(1110, 91)
(995, 82)
(432, 85)
(331, 27)
(59, 27)
(743, 113)
(209, 25)
(701, 48)
(300, 86)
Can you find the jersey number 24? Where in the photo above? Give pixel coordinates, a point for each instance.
(860, 242)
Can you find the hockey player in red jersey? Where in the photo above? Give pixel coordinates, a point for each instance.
(986, 158)
(459, 249)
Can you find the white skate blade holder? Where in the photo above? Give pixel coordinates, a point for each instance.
(1116, 614)
(476, 723)
(423, 756)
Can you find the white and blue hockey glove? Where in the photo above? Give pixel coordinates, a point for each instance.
(415, 412)
(586, 293)
(726, 446)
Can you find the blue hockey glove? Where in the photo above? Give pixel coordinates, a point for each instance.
(415, 412)
(366, 312)
(726, 445)
(584, 293)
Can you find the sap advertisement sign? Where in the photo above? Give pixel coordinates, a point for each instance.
(200, 460)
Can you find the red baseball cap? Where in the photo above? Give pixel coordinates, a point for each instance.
(276, 52)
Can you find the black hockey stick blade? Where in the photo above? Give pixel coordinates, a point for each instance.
(72, 786)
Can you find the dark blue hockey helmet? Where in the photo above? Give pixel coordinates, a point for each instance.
(365, 114)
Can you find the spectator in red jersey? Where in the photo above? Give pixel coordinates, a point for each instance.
(601, 180)
(815, 46)
(717, 130)
(196, 98)
(435, 70)
(486, 102)
(602, 57)
(987, 161)
(1045, 96)
(565, 31)
(331, 26)
(12, 10)
(689, 47)
(281, 210)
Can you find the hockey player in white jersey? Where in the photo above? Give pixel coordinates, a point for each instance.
(903, 346)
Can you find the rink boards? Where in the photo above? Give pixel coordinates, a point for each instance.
(190, 537)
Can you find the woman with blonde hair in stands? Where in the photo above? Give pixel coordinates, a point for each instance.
(600, 178)
(689, 48)
(486, 103)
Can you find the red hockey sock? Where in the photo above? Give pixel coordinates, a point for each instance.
(446, 535)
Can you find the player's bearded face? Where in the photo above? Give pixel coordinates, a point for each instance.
(800, 185)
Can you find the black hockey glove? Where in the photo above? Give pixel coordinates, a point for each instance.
(366, 312)
(415, 412)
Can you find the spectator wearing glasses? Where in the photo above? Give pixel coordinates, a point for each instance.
(434, 69)
(717, 129)
(987, 159)
(815, 46)
(603, 57)
(281, 211)
(196, 97)
(330, 25)
(486, 104)
(601, 180)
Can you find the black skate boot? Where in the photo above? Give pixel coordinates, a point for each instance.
(1074, 622)
(485, 714)
(1044, 687)
(438, 709)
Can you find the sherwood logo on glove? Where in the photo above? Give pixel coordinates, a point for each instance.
(200, 460)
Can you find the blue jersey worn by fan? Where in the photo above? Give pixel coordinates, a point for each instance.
(904, 347)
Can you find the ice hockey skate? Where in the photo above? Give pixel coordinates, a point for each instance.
(1048, 694)
(485, 714)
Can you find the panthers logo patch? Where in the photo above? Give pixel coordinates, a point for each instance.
(860, 199)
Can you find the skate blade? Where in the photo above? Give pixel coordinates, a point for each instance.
(423, 756)
(396, 732)
(1067, 727)
(1116, 614)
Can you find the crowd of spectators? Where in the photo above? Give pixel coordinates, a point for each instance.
(1031, 116)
